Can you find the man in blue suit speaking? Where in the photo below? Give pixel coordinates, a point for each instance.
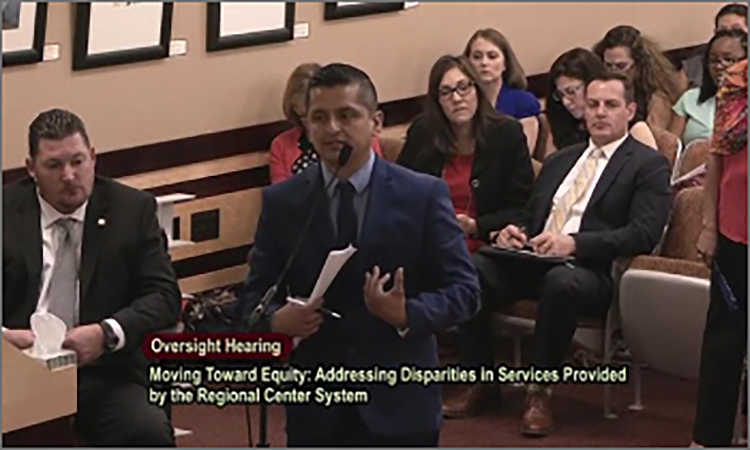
(410, 277)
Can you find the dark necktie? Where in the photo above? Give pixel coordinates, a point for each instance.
(347, 218)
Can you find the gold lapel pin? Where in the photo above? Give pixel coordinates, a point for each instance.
(102, 221)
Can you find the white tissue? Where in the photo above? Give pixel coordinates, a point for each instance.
(49, 334)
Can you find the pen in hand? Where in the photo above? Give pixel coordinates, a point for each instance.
(524, 243)
(322, 310)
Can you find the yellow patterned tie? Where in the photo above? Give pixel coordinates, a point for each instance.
(585, 176)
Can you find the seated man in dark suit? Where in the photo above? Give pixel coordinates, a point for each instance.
(90, 251)
(410, 277)
(594, 201)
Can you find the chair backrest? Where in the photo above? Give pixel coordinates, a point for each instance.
(695, 154)
(667, 143)
(540, 148)
(537, 167)
(391, 148)
(684, 225)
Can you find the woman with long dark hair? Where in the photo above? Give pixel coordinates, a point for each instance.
(566, 102)
(481, 155)
(625, 50)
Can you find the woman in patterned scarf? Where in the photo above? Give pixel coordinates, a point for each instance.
(723, 247)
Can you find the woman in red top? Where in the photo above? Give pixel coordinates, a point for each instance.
(484, 159)
(723, 246)
(291, 151)
(482, 156)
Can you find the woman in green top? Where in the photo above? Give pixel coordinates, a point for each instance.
(693, 114)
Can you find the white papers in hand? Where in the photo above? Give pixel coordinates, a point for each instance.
(698, 171)
(334, 263)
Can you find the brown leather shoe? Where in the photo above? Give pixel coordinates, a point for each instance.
(465, 402)
(537, 417)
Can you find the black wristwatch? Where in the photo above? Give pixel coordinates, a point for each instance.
(110, 338)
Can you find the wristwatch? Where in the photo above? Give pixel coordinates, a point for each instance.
(110, 338)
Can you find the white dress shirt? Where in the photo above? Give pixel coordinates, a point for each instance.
(573, 223)
(51, 237)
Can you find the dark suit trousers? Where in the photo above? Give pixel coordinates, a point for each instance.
(351, 431)
(563, 294)
(724, 348)
(114, 411)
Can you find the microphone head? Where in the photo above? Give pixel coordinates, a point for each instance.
(345, 154)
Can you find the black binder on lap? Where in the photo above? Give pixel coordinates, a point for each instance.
(525, 254)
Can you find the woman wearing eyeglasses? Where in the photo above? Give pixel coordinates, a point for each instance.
(624, 50)
(694, 112)
(482, 156)
(566, 103)
(723, 246)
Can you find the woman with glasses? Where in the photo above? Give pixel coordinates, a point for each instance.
(566, 103)
(482, 156)
(624, 50)
(694, 112)
(504, 80)
(723, 246)
(291, 151)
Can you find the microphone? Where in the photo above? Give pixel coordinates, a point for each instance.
(344, 155)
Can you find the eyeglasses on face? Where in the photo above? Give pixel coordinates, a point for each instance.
(619, 66)
(724, 61)
(463, 88)
(569, 92)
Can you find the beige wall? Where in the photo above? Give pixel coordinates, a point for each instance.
(194, 94)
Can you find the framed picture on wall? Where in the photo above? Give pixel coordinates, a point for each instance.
(344, 10)
(24, 31)
(112, 33)
(245, 24)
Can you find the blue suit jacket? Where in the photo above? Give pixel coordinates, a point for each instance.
(409, 223)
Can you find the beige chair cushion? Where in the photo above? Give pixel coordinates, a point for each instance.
(694, 155)
(684, 225)
(391, 148)
(667, 143)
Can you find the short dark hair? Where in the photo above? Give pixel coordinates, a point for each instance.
(626, 84)
(55, 124)
(734, 9)
(338, 74)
